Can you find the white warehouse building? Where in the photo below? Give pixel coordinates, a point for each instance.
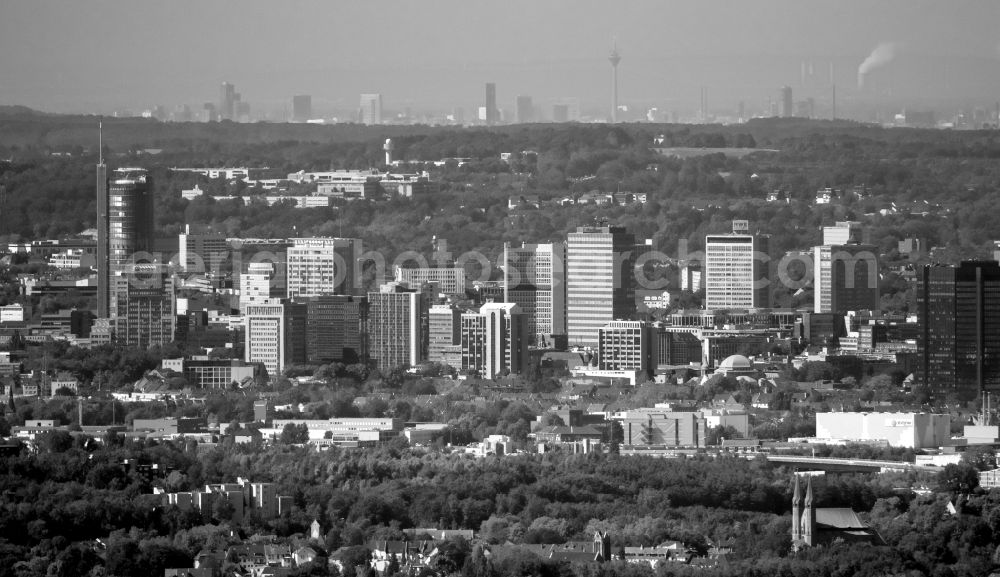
(910, 430)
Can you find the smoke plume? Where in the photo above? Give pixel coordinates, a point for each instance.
(882, 55)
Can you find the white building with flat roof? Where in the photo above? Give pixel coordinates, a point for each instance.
(909, 430)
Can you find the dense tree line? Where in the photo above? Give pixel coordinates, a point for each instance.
(55, 503)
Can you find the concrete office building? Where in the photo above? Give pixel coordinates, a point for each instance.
(227, 101)
(201, 251)
(626, 346)
(320, 266)
(145, 307)
(257, 286)
(651, 428)
(448, 280)
(844, 232)
(495, 340)
(787, 106)
(250, 251)
(275, 334)
(600, 281)
(492, 113)
(736, 274)
(396, 332)
(444, 340)
(691, 276)
(535, 279)
(206, 373)
(845, 278)
(371, 109)
(334, 328)
(908, 430)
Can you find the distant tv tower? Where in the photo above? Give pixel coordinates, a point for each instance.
(614, 58)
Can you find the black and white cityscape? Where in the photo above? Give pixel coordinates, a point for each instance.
(547, 289)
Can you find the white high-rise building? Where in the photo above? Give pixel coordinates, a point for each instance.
(275, 329)
(257, 285)
(275, 334)
(320, 266)
(396, 334)
(265, 341)
(736, 270)
(494, 340)
(600, 281)
(535, 279)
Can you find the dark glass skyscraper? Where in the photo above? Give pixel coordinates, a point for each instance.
(124, 227)
(959, 315)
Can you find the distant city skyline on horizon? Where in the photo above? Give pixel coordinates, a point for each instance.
(64, 59)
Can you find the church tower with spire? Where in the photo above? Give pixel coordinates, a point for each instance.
(809, 516)
(796, 513)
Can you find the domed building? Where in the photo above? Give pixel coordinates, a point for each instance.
(735, 366)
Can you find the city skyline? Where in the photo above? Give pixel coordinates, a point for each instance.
(932, 52)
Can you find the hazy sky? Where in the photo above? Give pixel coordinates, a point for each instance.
(96, 55)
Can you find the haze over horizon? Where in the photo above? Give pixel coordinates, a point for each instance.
(99, 56)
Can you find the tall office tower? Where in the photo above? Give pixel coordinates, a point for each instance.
(227, 101)
(491, 104)
(371, 109)
(495, 340)
(275, 334)
(844, 232)
(124, 227)
(301, 107)
(736, 270)
(524, 112)
(626, 346)
(444, 342)
(535, 279)
(396, 335)
(258, 287)
(320, 266)
(846, 278)
(787, 107)
(600, 281)
(201, 251)
(333, 329)
(449, 280)
(103, 256)
(614, 58)
(145, 307)
(958, 312)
